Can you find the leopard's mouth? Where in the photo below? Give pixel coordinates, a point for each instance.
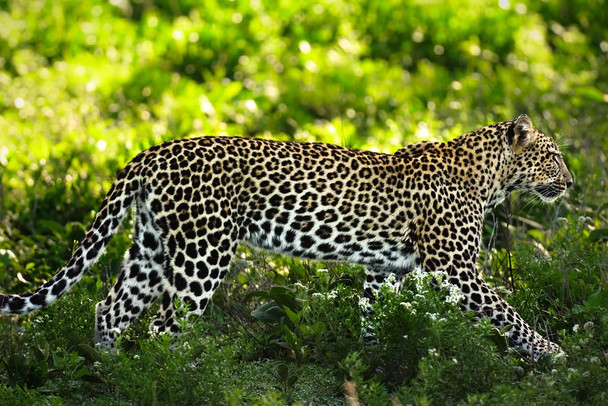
(549, 193)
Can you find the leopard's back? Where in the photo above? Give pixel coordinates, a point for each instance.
(303, 199)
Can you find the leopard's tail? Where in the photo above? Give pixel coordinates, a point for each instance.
(114, 208)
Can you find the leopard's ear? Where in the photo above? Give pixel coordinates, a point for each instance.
(521, 132)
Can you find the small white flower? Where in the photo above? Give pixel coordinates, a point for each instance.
(439, 276)
(575, 328)
(583, 219)
(391, 282)
(418, 273)
(454, 295)
(364, 304)
(322, 270)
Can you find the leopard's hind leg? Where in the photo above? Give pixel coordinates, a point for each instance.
(198, 261)
(138, 285)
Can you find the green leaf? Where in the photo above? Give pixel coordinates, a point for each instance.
(227, 93)
(54, 227)
(591, 93)
(290, 338)
(269, 312)
(89, 352)
(602, 208)
(578, 309)
(294, 317)
(598, 234)
(596, 299)
(284, 297)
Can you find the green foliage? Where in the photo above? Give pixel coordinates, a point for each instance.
(428, 352)
(322, 315)
(582, 381)
(566, 288)
(169, 371)
(428, 349)
(85, 85)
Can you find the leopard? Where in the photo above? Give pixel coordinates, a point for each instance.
(419, 208)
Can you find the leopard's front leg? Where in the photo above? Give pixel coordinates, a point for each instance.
(485, 303)
(457, 257)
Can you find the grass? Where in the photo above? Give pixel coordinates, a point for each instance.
(308, 349)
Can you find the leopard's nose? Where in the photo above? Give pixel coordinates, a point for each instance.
(568, 178)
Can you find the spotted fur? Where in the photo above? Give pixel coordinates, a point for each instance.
(197, 198)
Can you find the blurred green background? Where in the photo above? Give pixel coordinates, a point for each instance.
(87, 84)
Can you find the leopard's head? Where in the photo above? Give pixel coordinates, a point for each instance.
(536, 163)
